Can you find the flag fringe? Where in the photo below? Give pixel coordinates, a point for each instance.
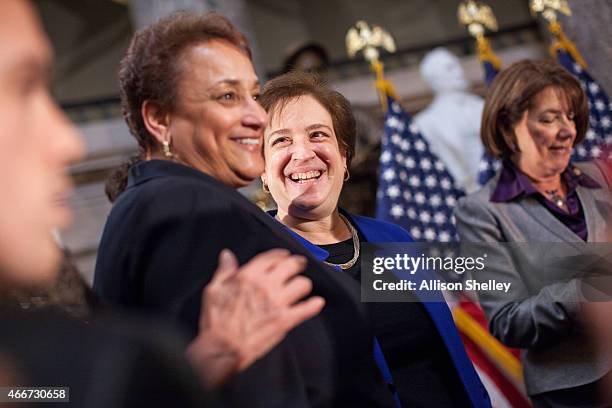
(486, 54)
(383, 86)
(564, 44)
(490, 345)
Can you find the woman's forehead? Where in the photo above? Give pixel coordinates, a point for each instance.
(552, 97)
(216, 62)
(303, 109)
(22, 42)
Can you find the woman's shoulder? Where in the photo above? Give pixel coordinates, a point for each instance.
(167, 196)
(150, 177)
(172, 177)
(172, 192)
(480, 198)
(596, 170)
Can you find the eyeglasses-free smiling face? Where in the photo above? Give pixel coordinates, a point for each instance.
(304, 165)
(218, 124)
(545, 135)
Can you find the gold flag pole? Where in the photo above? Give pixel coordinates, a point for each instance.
(549, 9)
(365, 39)
(478, 16)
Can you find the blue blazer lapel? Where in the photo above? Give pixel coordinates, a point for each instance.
(445, 324)
(318, 252)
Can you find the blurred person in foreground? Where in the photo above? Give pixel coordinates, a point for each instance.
(107, 362)
(68, 293)
(308, 146)
(535, 112)
(190, 98)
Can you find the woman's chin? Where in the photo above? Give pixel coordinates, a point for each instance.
(551, 166)
(246, 177)
(248, 169)
(305, 205)
(36, 270)
(560, 164)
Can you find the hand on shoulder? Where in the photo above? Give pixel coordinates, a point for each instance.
(246, 311)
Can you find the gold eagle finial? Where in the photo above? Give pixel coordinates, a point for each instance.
(549, 8)
(476, 16)
(368, 39)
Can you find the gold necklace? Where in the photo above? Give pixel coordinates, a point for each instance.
(355, 238)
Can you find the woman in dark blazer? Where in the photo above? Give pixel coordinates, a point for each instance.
(308, 145)
(535, 112)
(189, 95)
(106, 362)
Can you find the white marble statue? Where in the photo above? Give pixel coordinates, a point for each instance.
(451, 123)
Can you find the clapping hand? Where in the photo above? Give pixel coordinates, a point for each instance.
(248, 310)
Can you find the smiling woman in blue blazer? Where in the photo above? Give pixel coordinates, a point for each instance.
(308, 145)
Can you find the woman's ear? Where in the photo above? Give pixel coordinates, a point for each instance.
(343, 153)
(156, 122)
(347, 173)
(510, 139)
(264, 184)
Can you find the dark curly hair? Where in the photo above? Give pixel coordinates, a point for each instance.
(151, 69)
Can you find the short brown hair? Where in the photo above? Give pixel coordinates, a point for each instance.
(282, 89)
(511, 94)
(151, 71)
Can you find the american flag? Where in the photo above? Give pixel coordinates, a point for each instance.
(488, 165)
(490, 71)
(599, 135)
(415, 190)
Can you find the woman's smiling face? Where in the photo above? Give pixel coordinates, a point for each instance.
(304, 167)
(217, 126)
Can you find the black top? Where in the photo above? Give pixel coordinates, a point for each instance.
(423, 372)
(160, 247)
